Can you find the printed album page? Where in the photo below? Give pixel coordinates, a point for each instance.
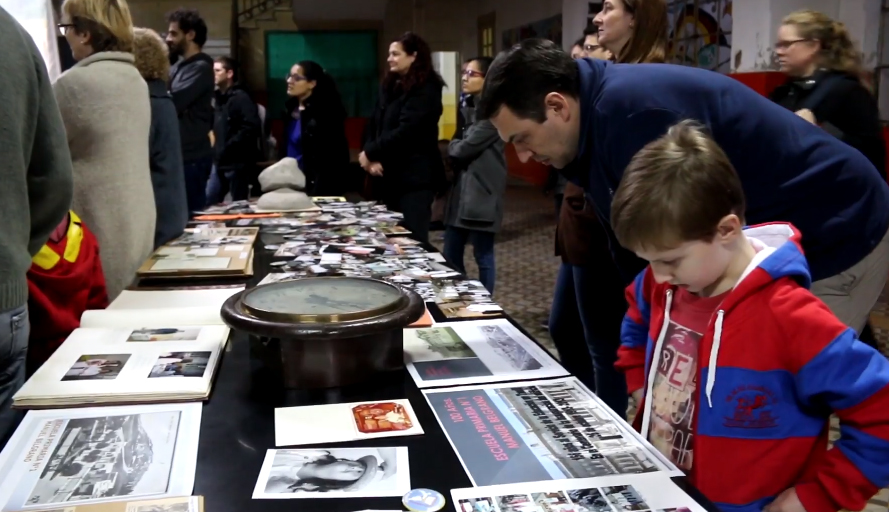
(652, 492)
(167, 299)
(119, 366)
(183, 504)
(540, 431)
(475, 351)
(336, 423)
(64, 458)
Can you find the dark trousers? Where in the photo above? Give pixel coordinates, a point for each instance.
(196, 175)
(416, 206)
(234, 180)
(455, 240)
(587, 312)
(14, 331)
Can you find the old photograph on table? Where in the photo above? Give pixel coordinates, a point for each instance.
(636, 493)
(68, 457)
(334, 473)
(538, 431)
(336, 423)
(475, 351)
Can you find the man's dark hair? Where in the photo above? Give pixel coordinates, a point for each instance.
(592, 30)
(229, 64)
(484, 63)
(190, 20)
(580, 42)
(521, 77)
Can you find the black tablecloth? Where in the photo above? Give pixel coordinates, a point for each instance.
(238, 427)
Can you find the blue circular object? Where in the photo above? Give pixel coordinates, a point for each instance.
(423, 500)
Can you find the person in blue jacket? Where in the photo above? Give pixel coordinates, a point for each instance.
(589, 118)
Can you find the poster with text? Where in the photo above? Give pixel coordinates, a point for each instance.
(473, 352)
(539, 431)
(650, 492)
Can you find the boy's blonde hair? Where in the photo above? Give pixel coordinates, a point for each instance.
(675, 190)
(152, 55)
(108, 22)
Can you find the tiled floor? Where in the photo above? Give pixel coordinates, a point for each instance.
(526, 272)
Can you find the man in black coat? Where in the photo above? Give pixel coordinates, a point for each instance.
(237, 130)
(191, 85)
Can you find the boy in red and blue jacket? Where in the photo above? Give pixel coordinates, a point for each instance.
(735, 365)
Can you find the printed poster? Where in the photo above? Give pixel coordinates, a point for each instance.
(473, 352)
(70, 457)
(653, 492)
(540, 431)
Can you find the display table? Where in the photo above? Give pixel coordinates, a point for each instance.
(238, 427)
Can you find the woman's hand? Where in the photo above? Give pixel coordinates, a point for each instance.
(807, 115)
(362, 159)
(375, 169)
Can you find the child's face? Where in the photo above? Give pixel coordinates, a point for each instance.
(698, 266)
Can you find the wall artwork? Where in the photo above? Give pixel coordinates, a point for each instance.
(700, 34)
(549, 28)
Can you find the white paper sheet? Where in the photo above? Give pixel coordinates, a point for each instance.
(476, 351)
(153, 299)
(623, 493)
(335, 423)
(124, 452)
(296, 474)
(128, 318)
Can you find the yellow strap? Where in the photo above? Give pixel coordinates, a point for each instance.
(47, 258)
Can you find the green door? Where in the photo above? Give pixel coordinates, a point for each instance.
(349, 57)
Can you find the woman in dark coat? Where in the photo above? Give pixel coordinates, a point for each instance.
(401, 138)
(316, 135)
(824, 83)
(165, 149)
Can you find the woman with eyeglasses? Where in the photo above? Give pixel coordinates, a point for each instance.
(105, 107)
(316, 134)
(401, 138)
(475, 208)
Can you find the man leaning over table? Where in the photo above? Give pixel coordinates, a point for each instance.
(35, 196)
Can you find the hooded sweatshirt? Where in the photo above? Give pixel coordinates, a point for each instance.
(791, 170)
(772, 366)
(192, 86)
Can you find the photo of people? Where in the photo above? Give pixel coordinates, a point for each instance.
(164, 334)
(337, 472)
(180, 364)
(477, 505)
(516, 503)
(97, 367)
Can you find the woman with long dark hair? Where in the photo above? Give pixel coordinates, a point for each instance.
(316, 136)
(401, 139)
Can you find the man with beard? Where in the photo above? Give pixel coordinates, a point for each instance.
(236, 130)
(191, 85)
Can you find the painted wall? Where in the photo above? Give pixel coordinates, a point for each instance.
(151, 14)
(339, 9)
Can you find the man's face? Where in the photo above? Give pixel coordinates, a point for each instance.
(176, 40)
(552, 142)
(593, 50)
(221, 76)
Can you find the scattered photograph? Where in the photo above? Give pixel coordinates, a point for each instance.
(109, 457)
(553, 502)
(509, 349)
(625, 497)
(183, 506)
(436, 343)
(164, 334)
(333, 473)
(381, 417)
(180, 364)
(97, 367)
(516, 503)
(477, 505)
(589, 500)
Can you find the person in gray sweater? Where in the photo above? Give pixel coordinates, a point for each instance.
(35, 196)
(475, 206)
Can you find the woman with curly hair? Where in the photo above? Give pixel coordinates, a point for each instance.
(165, 152)
(401, 138)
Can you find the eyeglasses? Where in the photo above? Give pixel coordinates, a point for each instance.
(591, 47)
(63, 27)
(472, 72)
(294, 77)
(783, 45)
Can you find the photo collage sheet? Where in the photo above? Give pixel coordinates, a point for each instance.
(209, 251)
(365, 240)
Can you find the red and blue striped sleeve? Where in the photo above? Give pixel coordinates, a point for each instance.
(836, 370)
(634, 332)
